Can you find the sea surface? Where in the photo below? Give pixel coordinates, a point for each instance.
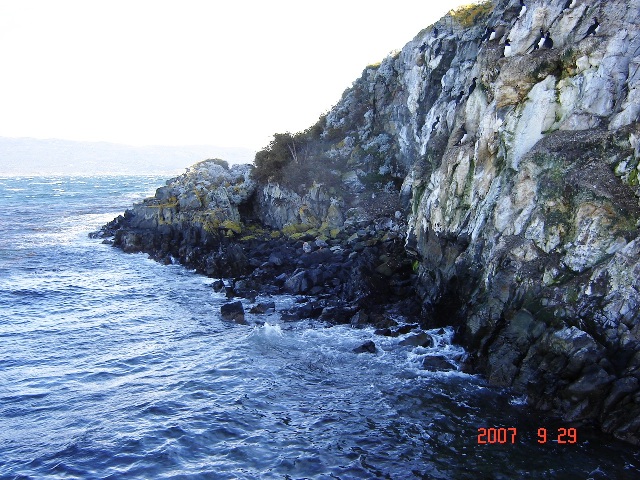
(114, 366)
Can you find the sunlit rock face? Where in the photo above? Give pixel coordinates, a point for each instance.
(518, 173)
(521, 189)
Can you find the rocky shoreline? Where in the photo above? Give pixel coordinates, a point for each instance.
(458, 183)
(359, 274)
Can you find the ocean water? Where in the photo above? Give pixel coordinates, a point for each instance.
(114, 366)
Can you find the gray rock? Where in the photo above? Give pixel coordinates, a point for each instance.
(437, 363)
(233, 312)
(360, 320)
(297, 283)
(366, 347)
(421, 339)
(263, 307)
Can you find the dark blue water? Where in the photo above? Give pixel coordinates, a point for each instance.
(114, 366)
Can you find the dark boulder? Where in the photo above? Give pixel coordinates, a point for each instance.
(263, 307)
(366, 347)
(418, 340)
(233, 312)
(337, 315)
(307, 311)
(360, 320)
(437, 363)
(386, 332)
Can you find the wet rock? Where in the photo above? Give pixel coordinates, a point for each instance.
(386, 332)
(245, 288)
(366, 347)
(437, 363)
(380, 320)
(360, 320)
(320, 243)
(263, 307)
(218, 286)
(233, 312)
(309, 310)
(421, 339)
(337, 315)
(403, 329)
(594, 379)
(620, 389)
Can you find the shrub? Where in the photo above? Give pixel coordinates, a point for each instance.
(294, 160)
(469, 15)
(218, 161)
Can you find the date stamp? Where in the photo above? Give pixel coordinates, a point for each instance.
(502, 435)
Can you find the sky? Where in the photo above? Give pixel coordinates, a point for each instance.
(189, 72)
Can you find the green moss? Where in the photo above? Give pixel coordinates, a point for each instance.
(275, 234)
(199, 196)
(472, 14)
(334, 233)
(289, 229)
(171, 202)
(233, 227)
(211, 225)
(568, 59)
(417, 197)
(294, 228)
(633, 178)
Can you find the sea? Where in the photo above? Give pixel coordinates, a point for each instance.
(113, 366)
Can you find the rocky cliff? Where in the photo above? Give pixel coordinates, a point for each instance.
(496, 177)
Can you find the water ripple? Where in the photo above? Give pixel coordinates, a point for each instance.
(113, 366)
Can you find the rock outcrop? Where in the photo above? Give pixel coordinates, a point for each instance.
(497, 186)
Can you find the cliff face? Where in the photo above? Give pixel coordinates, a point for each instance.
(513, 175)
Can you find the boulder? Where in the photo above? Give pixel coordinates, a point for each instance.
(437, 363)
(337, 314)
(297, 283)
(359, 320)
(263, 307)
(233, 312)
(366, 347)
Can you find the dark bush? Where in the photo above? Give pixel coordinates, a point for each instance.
(294, 160)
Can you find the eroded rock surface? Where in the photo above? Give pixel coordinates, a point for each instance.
(498, 188)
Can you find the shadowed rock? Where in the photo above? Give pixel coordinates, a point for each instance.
(233, 312)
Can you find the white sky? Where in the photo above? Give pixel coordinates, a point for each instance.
(226, 73)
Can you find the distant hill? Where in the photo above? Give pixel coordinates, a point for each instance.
(30, 156)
